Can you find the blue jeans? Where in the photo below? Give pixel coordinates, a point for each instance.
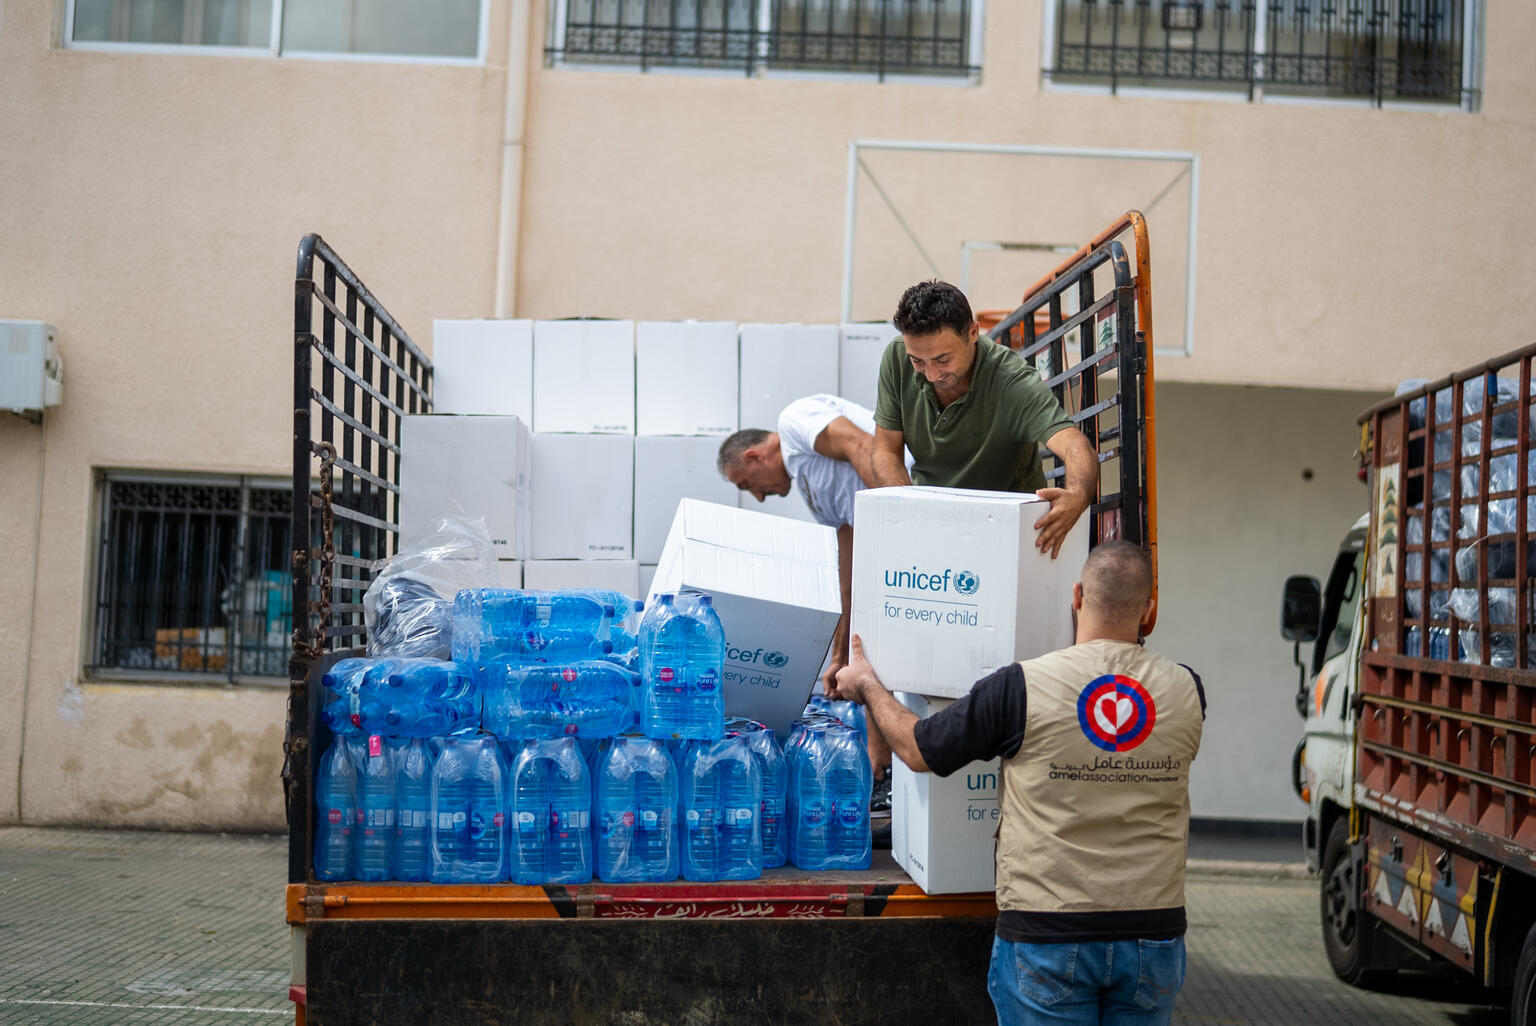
(1089, 983)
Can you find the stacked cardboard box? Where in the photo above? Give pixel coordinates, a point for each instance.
(948, 586)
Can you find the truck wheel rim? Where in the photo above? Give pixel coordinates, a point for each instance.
(1341, 905)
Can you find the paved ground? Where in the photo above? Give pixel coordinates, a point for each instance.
(117, 927)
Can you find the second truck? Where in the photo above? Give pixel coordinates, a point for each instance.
(1418, 761)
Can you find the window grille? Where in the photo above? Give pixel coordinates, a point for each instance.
(879, 37)
(1379, 50)
(192, 578)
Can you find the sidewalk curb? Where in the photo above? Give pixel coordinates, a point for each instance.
(1238, 867)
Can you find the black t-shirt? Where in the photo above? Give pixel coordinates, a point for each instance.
(989, 723)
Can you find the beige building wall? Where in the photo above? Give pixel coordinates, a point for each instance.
(1255, 484)
(151, 205)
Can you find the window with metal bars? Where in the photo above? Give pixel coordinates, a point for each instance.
(1378, 50)
(192, 578)
(878, 37)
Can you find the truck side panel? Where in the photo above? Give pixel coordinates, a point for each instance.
(1445, 755)
(647, 971)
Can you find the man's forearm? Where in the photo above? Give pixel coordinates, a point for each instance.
(889, 469)
(845, 582)
(896, 723)
(1082, 465)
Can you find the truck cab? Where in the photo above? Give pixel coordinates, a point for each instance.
(1326, 619)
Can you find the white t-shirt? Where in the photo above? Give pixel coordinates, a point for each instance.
(828, 485)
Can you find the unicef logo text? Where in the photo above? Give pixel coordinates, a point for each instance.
(768, 657)
(963, 582)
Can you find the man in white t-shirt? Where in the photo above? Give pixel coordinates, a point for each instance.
(823, 444)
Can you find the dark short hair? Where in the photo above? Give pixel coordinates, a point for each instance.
(930, 306)
(1117, 581)
(734, 445)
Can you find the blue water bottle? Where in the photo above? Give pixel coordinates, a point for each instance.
(772, 764)
(374, 839)
(434, 678)
(850, 783)
(413, 807)
(637, 797)
(468, 842)
(706, 667)
(493, 623)
(335, 812)
(722, 789)
(831, 779)
(551, 813)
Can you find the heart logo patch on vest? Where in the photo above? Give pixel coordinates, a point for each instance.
(1115, 712)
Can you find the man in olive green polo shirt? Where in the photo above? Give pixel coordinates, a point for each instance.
(973, 414)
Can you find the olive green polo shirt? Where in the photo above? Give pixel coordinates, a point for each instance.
(989, 438)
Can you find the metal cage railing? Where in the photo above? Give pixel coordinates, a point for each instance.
(356, 376)
(1087, 328)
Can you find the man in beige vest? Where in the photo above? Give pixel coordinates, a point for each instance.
(1096, 742)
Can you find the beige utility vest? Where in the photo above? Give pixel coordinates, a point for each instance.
(1095, 805)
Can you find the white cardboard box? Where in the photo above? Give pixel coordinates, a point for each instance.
(584, 377)
(774, 583)
(781, 363)
(621, 575)
(509, 573)
(686, 377)
(948, 585)
(647, 575)
(942, 827)
(668, 470)
(860, 347)
(454, 465)
(483, 366)
(583, 497)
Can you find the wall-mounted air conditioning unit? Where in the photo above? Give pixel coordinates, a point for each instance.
(31, 373)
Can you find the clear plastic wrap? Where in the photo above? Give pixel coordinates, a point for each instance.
(1439, 603)
(1439, 525)
(1466, 605)
(1439, 566)
(408, 608)
(1502, 651)
(1505, 423)
(1501, 518)
(1501, 561)
(1501, 475)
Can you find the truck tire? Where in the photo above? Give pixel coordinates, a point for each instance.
(1346, 929)
(1522, 1001)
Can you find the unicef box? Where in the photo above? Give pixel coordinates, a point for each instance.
(942, 827)
(948, 585)
(774, 585)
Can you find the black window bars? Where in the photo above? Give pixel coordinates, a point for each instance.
(191, 578)
(1380, 50)
(878, 37)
